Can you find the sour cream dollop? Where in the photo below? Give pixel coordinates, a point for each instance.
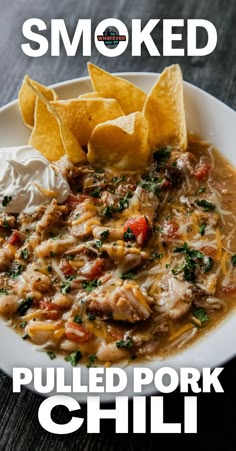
(28, 180)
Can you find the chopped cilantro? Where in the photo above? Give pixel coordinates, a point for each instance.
(177, 270)
(201, 190)
(54, 237)
(90, 285)
(25, 253)
(201, 314)
(6, 224)
(25, 337)
(24, 306)
(3, 291)
(91, 359)
(123, 203)
(233, 260)
(155, 256)
(77, 319)
(96, 193)
(49, 268)
(207, 206)
(69, 257)
(161, 156)
(128, 343)
(104, 235)
(65, 287)
(128, 235)
(201, 229)
(69, 277)
(108, 211)
(153, 184)
(193, 259)
(15, 271)
(6, 200)
(91, 317)
(98, 244)
(183, 248)
(51, 355)
(23, 325)
(74, 358)
(119, 179)
(128, 275)
(208, 263)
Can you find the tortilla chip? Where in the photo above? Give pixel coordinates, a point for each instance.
(82, 116)
(164, 110)
(130, 97)
(51, 137)
(90, 95)
(120, 144)
(27, 98)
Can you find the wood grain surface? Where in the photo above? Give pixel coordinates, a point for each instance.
(216, 73)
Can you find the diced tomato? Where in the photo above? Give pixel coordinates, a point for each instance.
(139, 227)
(66, 268)
(229, 289)
(50, 310)
(16, 238)
(170, 229)
(209, 251)
(92, 270)
(74, 200)
(166, 184)
(77, 332)
(202, 171)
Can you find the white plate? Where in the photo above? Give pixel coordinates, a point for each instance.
(214, 122)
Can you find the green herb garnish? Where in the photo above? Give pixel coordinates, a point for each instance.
(98, 244)
(155, 256)
(208, 263)
(108, 211)
(118, 179)
(65, 287)
(129, 235)
(26, 337)
(161, 156)
(233, 260)
(201, 190)
(6, 200)
(104, 235)
(3, 291)
(96, 193)
(201, 314)
(91, 359)
(193, 259)
(125, 343)
(73, 358)
(24, 306)
(51, 355)
(25, 254)
(207, 206)
(77, 319)
(90, 285)
(123, 203)
(201, 229)
(6, 224)
(128, 275)
(23, 325)
(15, 271)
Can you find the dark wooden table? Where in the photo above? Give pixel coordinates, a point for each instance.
(216, 73)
